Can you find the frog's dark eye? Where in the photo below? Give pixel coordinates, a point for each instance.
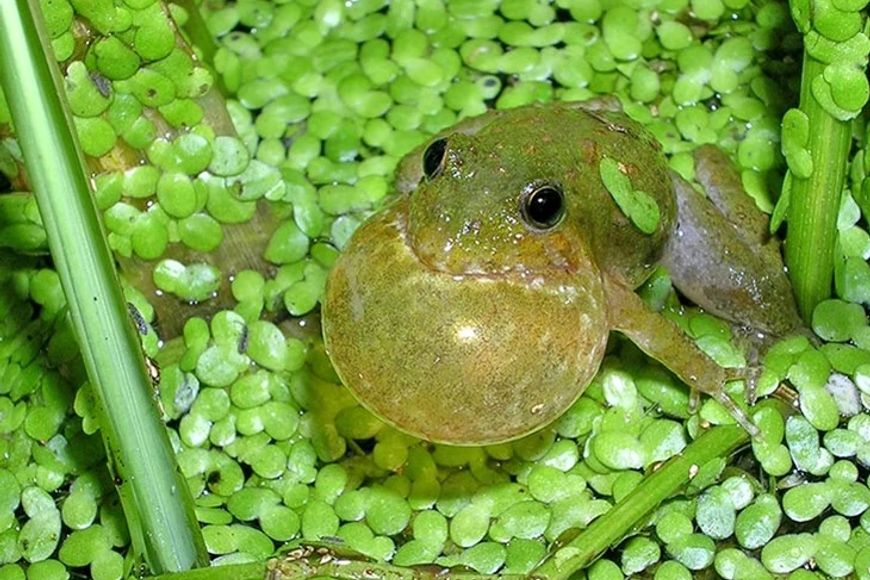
(433, 158)
(543, 206)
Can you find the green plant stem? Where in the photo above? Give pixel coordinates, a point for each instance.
(632, 511)
(198, 32)
(157, 505)
(815, 201)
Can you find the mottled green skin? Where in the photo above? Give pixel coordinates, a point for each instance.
(452, 319)
(474, 205)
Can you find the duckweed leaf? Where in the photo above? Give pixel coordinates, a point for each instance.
(640, 207)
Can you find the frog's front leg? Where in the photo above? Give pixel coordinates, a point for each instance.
(664, 341)
(729, 271)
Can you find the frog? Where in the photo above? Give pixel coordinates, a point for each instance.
(476, 306)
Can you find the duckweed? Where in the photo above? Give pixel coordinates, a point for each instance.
(639, 206)
(272, 447)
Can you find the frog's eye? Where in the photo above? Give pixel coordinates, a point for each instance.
(433, 158)
(543, 206)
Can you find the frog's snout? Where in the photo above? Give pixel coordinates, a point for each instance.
(459, 247)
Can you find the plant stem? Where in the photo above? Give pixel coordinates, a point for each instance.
(157, 505)
(609, 529)
(198, 32)
(815, 201)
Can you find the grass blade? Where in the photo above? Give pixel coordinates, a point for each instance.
(608, 530)
(155, 497)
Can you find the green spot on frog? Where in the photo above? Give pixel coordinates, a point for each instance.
(476, 307)
(638, 206)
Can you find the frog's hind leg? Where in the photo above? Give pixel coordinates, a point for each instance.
(721, 269)
(716, 174)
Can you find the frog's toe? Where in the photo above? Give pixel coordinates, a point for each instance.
(750, 375)
(753, 374)
(728, 402)
(694, 401)
(736, 412)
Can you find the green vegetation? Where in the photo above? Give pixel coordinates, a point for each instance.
(817, 139)
(228, 181)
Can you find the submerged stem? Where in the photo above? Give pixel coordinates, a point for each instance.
(631, 512)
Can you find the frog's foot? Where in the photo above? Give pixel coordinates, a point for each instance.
(754, 343)
(749, 374)
(724, 399)
(736, 412)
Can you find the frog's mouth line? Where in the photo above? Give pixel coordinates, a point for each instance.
(518, 272)
(402, 227)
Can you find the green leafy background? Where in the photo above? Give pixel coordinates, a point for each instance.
(229, 177)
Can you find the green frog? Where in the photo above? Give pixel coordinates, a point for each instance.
(476, 307)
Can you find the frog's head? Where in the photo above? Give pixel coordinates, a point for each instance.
(486, 206)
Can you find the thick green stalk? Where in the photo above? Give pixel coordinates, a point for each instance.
(815, 201)
(157, 505)
(609, 529)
